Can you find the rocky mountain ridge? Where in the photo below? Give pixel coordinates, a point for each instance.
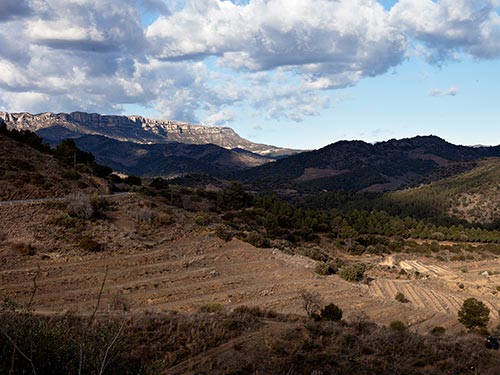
(135, 129)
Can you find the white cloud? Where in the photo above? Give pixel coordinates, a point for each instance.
(279, 57)
(452, 91)
(331, 43)
(220, 118)
(450, 26)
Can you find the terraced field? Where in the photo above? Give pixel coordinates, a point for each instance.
(183, 266)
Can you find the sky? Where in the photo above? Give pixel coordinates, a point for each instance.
(293, 73)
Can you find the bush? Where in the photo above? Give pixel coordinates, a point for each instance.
(99, 203)
(24, 248)
(251, 310)
(89, 244)
(211, 307)
(71, 175)
(78, 205)
(400, 297)
(314, 253)
(331, 312)
(223, 233)
(353, 273)
(201, 219)
(163, 218)
(398, 326)
(474, 314)
(322, 269)
(144, 215)
(256, 239)
(438, 331)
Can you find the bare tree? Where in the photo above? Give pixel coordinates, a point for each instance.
(92, 317)
(13, 340)
(311, 302)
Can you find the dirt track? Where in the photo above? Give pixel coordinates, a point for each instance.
(183, 266)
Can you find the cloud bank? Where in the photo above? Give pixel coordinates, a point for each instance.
(201, 60)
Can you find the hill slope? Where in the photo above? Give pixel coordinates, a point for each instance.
(135, 129)
(359, 166)
(26, 173)
(167, 159)
(473, 196)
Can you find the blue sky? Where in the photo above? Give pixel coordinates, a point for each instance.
(285, 72)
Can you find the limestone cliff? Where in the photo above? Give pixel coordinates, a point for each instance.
(135, 129)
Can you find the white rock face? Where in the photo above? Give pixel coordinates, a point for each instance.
(136, 129)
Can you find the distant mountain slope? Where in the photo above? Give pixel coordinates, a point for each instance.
(135, 129)
(473, 196)
(359, 166)
(167, 159)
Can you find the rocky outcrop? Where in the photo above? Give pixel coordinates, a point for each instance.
(135, 129)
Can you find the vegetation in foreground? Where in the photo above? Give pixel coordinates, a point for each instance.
(245, 341)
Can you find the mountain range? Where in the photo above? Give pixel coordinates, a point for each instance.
(144, 147)
(167, 159)
(136, 129)
(360, 166)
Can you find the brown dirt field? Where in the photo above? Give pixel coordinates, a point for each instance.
(183, 266)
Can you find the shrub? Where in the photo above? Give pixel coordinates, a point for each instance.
(24, 248)
(251, 310)
(315, 254)
(223, 233)
(474, 314)
(201, 219)
(398, 326)
(256, 239)
(328, 268)
(163, 218)
(331, 312)
(400, 297)
(438, 331)
(211, 307)
(71, 175)
(78, 205)
(87, 243)
(144, 215)
(353, 273)
(322, 269)
(99, 203)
